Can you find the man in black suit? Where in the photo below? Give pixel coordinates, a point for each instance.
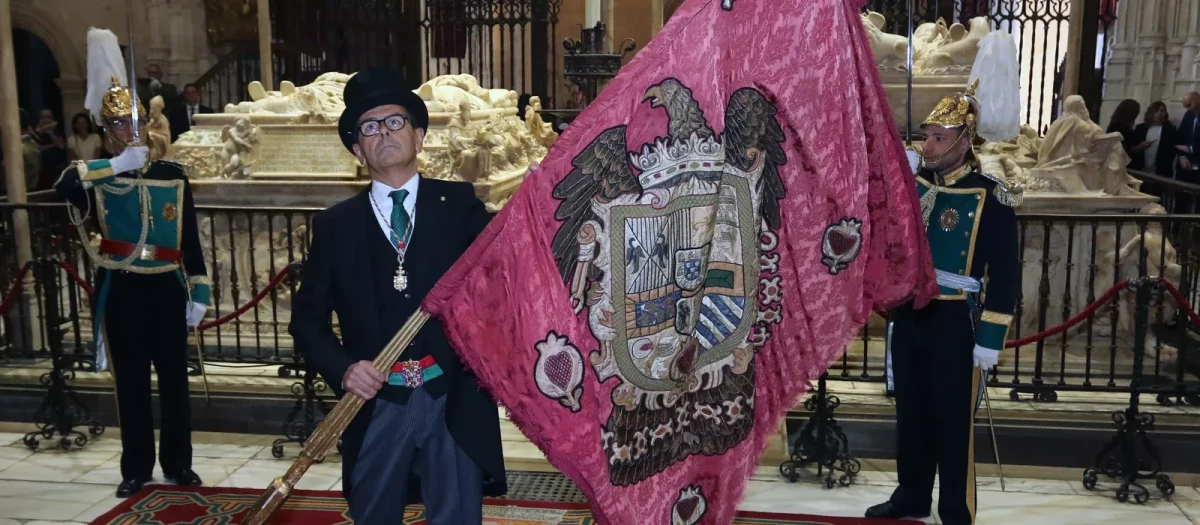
(427, 432)
(183, 116)
(1188, 144)
(153, 85)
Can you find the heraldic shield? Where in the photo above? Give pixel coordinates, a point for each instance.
(667, 263)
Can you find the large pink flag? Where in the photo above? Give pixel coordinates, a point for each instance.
(704, 240)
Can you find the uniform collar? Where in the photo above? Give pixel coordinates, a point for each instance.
(953, 176)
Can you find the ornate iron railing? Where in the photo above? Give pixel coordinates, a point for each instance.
(1068, 261)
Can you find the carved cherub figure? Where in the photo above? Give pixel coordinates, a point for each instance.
(239, 141)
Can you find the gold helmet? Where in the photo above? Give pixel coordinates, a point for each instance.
(118, 102)
(991, 104)
(108, 94)
(957, 110)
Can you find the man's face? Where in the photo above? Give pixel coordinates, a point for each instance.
(47, 115)
(388, 148)
(942, 149)
(1191, 102)
(154, 71)
(119, 133)
(191, 95)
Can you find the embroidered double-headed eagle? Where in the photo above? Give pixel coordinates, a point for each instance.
(670, 250)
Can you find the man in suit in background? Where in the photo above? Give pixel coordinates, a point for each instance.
(427, 432)
(154, 85)
(1189, 139)
(183, 116)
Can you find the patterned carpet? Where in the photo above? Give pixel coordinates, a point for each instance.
(226, 506)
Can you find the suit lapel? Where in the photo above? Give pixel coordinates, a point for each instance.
(430, 216)
(365, 280)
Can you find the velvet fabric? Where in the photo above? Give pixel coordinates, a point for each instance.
(648, 308)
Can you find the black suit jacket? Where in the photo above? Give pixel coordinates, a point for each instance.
(180, 123)
(1189, 139)
(340, 276)
(1164, 160)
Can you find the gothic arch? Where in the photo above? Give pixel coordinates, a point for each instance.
(49, 27)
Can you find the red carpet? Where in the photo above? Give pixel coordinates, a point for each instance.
(227, 506)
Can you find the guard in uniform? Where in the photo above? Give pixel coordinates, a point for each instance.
(940, 352)
(151, 283)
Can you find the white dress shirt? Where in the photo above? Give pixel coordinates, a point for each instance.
(383, 204)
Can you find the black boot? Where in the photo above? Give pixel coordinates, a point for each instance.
(129, 487)
(185, 477)
(889, 510)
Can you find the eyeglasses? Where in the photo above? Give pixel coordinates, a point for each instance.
(371, 127)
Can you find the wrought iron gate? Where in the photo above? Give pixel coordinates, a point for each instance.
(507, 44)
(1040, 29)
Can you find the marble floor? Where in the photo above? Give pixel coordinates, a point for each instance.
(53, 486)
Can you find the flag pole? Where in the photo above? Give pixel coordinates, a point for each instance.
(327, 433)
(908, 131)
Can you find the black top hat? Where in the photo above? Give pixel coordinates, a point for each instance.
(375, 87)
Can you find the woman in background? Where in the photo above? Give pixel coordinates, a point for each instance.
(84, 142)
(1123, 119)
(1156, 129)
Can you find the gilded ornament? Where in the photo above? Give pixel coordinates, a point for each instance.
(118, 102)
(948, 220)
(168, 211)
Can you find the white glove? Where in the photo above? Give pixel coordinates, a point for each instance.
(195, 314)
(133, 158)
(986, 358)
(914, 160)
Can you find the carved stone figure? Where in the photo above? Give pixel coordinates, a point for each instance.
(937, 49)
(158, 130)
(240, 140)
(541, 130)
(1076, 156)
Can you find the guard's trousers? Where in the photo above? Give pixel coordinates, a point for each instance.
(936, 385)
(145, 322)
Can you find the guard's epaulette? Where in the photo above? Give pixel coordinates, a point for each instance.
(1008, 193)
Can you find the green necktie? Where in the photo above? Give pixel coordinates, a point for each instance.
(400, 233)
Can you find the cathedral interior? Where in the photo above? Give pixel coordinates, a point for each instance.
(245, 95)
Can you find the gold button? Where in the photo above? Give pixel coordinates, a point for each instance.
(971, 214)
(977, 197)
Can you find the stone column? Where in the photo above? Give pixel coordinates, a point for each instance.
(10, 133)
(1138, 68)
(1188, 76)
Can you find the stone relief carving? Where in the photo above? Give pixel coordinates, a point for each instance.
(937, 49)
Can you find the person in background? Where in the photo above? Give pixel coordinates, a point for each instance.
(1122, 122)
(83, 143)
(183, 116)
(154, 85)
(52, 150)
(1187, 143)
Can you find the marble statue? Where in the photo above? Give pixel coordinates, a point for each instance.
(240, 140)
(938, 49)
(541, 130)
(323, 95)
(1077, 156)
(158, 130)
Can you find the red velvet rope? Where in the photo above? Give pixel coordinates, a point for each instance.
(279, 277)
(1091, 309)
(283, 274)
(74, 275)
(10, 297)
